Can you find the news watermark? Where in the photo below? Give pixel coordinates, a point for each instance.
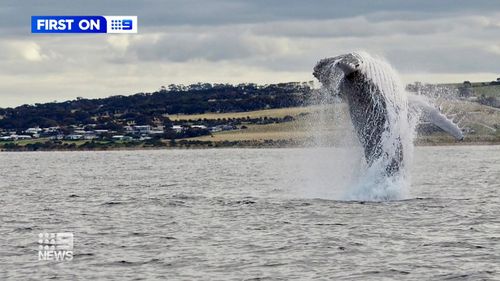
(84, 24)
(55, 246)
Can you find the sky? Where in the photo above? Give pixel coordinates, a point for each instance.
(237, 41)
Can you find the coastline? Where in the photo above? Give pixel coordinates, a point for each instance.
(196, 144)
(268, 128)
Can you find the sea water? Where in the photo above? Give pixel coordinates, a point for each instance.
(247, 214)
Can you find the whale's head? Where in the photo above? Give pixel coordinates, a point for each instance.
(348, 64)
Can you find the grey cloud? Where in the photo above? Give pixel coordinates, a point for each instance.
(353, 27)
(186, 47)
(201, 12)
(186, 41)
(445, 60)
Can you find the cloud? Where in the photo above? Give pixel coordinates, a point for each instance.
(221, 45)
(187, 41)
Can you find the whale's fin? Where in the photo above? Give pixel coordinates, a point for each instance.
(433, 115)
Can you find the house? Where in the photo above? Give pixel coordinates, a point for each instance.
(219, 128)
(57, 137)
(177, 128)
(156, 132)
(215, 129)
(22, 137)
(74, 137)
(121, 138)
(89, 135)
(15, 137)
(199, 127)
(228, 127)
(142, 129)
(35, 130)
(51, 129)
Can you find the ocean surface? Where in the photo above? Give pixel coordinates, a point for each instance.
(248, 214)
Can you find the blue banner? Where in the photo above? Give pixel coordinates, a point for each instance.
(68, 24)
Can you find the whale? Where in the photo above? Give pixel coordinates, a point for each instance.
(379, 107)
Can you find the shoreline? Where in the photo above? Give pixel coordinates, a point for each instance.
(189, 145)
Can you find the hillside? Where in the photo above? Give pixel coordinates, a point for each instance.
(206, 115)
(330, 124)
(153, 108)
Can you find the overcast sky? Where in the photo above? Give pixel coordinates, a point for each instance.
(237, 41)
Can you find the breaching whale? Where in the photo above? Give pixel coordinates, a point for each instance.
(379, 107)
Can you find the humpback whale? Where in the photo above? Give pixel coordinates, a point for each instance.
(379, 107)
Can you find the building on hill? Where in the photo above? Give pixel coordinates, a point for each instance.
(74, 137)
(15, 137)
(177, 128)
(35, 130)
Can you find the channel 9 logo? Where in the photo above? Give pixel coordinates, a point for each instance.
(55, 246)
(83, 24)
(121, 24)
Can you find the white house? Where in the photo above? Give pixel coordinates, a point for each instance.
(57, 137)
(89, 135)
(35, 130)
(122, 138)
(74, 137)
(142, 129)
(199, 126)
(51, 129)
(177, 128)
(16, 137)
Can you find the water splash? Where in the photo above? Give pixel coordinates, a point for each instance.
(367, 180)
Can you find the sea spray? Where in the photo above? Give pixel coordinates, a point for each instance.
(364, 181)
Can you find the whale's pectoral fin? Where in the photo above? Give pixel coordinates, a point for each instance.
(433, 115)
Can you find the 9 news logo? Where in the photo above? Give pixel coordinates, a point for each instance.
(84, 24)
(121, 24)
(55, 246)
